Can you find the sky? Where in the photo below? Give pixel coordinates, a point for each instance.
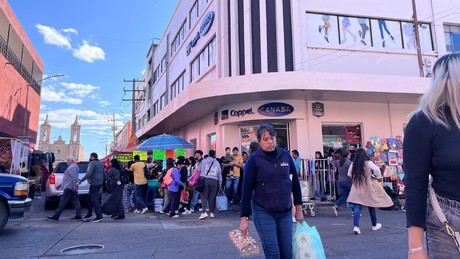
(95, 45)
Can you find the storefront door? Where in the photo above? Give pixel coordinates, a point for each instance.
(249, 137)
(341, 136)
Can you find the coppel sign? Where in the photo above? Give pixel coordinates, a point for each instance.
(236, 113)
(275, 109)
(204, 28)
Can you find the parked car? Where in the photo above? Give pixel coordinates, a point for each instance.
(14, 200)
(55, 179)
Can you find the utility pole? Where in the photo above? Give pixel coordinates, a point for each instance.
(133, 100)
(417, 40)
(114, 127)
(105, 143)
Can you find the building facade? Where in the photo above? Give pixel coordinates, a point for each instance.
(59, 147)
(326, 74)
(20, 78)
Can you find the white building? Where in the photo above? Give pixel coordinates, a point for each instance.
(224, 67)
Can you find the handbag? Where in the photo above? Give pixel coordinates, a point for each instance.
(437, 210)
(200, 185)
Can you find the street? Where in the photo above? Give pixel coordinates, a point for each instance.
(153, 235)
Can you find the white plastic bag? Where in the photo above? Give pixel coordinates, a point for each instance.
(307, 243)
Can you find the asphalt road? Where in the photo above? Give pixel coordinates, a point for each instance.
(157, 236)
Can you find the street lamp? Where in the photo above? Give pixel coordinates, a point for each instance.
(25, 129)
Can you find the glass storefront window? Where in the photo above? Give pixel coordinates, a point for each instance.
(212, 141)
(249, 137)
(341, 136)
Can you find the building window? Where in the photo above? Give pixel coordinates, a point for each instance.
(204, 61)
(155, 108)
(193, 14)
(201, 6)
(179, 38)
(162, 101)
(452, 36)
(367, 32)
(148, 115)
(163, 64)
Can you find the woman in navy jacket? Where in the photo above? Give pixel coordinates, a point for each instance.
(267, 188)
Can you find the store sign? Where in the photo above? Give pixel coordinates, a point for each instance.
(318, 109)
(275, 109)
(123, 157)
(204, 29)
(241, 113)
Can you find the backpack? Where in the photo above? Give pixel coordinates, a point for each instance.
(124, 178)
(167, 179)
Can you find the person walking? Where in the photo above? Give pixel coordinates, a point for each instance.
(344, 181)
(95, 176)
(114, 205)
(196, 194)
(69, 186)
(173, 190)
(366, 190)
(430, 148)
(267, 188)
(233, 180)
(211, 171)
(140, 183)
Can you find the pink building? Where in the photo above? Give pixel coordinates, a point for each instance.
(20, 69)
(326, 74)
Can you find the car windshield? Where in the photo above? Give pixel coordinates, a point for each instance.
(61, 167)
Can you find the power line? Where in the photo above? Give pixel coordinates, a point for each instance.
(133, 99)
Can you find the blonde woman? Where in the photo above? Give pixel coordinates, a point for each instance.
(431, 146)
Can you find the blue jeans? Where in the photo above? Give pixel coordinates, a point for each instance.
(357, 214)
(231, 187)
(344, 191)
(194, 200)
(275, 231)
(140, 194)
(383, 26)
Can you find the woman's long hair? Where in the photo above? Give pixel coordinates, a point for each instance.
(115, 164)
(358, 172)
(444, 91)
(169, 164)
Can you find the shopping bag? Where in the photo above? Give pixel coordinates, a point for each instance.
(193, 181)
(306, 243)
(246, 245)
(221, 201)
(184, 196)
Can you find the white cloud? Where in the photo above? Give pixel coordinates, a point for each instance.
(94, 96)
(50, 94)
(104, 103)
(42, 106)
(54, 37)
(89, 53)
(79, 90)
(143, 71)
(70, 30)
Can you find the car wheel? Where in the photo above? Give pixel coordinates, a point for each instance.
(3, 215)
(49, 205)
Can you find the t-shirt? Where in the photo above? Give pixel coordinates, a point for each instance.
(138, 170)
(237, 170)
(297, 164)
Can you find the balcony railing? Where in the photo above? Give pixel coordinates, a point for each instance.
(13, 60)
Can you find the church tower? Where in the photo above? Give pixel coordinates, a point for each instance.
(45, 133)
(75, 131)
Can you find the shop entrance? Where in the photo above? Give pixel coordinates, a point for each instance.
(249, 136)
(341, 136)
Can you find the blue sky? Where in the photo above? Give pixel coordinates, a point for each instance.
(95, 45)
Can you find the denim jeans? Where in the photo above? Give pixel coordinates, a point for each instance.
(194, 200)
(140, 194)
(344, 191)
(95, 200)
(439, 243)
(275, 232)
(357, 214)
(231, 188)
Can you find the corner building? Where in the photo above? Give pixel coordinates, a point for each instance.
(224, 67)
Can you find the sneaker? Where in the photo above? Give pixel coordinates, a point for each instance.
(211, 215)
(192, 211)
(203, 215)
(336, 210)
(77, 217)
(97, 220)
(187, 212)
(175, 216)
(136, 211)
(53, 218)
(320, 28)
(326, 38)
(144, 210)
(377, 227)
(294, 220)
(176, 211)
(363, 42)
(113, 216)
(356, 231)
(162, 212)
(360, 34)
(86, 218)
